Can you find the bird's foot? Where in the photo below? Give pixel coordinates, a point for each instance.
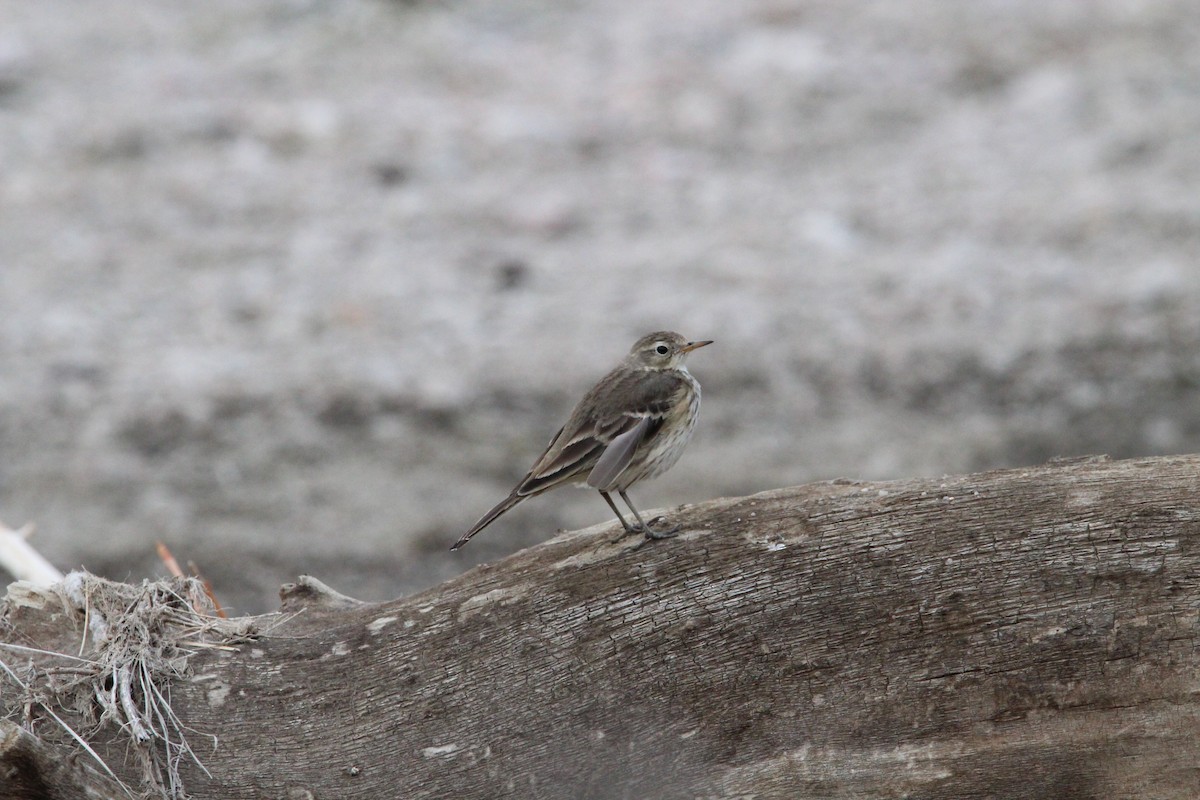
(648, 530)
(651, 532)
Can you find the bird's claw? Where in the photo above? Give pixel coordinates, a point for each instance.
(666, 533)
(648, 531)
(658, 533)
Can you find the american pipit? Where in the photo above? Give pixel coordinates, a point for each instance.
(633, 424)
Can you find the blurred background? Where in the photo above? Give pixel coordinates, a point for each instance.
(304, 287)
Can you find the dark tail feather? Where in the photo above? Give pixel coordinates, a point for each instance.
(490, 517)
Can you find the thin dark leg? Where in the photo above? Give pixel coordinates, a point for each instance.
(613, 506)
(651, 533)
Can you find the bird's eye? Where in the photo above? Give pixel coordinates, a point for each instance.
(662, 350)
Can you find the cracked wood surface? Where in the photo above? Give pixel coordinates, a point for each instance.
(1026, 633)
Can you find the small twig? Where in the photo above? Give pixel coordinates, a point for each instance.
(87, 625)
(34, 650)
(208, 590)
(200, 645)
(132, 713)
(173, 567)
(22, 561)
(168, 560)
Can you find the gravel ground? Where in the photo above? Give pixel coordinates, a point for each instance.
(303, 287)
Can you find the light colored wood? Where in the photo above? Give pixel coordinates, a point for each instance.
(1028, 633)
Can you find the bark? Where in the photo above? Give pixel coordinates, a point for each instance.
(32, 770)
(1027, 633)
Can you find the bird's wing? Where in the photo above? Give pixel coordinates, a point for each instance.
(617, 455)
(594, 434)
(566, 460)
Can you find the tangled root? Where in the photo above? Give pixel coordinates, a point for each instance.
(136, 641)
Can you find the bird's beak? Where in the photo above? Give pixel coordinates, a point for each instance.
(690, 346)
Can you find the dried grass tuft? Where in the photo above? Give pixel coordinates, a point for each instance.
(136, 641)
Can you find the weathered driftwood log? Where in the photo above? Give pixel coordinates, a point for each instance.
(1028, 633)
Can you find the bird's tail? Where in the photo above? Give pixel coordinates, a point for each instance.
(489, 517)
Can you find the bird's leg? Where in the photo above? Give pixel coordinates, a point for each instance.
(651, 533)
(624, 524)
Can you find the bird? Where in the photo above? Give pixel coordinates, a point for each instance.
(633, 424)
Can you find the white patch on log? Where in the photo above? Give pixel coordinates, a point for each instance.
(217, 694)
(503, 595)
(375, 626)
(586, 557)
(338, 649)
(440, 751)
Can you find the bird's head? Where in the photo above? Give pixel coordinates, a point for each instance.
(662, 350)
